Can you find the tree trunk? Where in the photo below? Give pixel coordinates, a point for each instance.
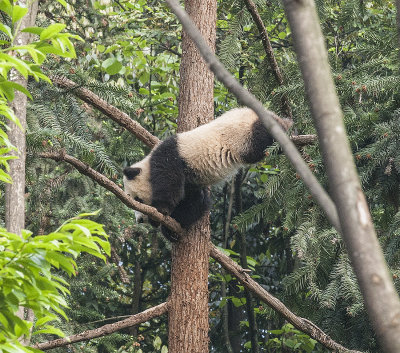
(15, 192)
(380, 296)
(188, 312)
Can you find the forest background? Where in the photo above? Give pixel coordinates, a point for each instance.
(130, 57)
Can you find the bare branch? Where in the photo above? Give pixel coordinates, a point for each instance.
(106, 329)
(380, 296)
(304, 140)
(251, 6)
(109, 110)
(114, 188)
(302, 324)
(267, 117)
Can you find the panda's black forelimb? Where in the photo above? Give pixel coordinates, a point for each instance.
(192, 207)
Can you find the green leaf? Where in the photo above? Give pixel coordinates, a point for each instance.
(50, 330)
(34, 30)
(52, 31)
(6, 7)
(18, 12)
(7, 30)
(63, 2)
(282, 35)
(112, 66)
(157, 343)
(238, 302)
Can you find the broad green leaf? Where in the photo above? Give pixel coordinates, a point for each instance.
(51, 31)
(7, 30)
(50, 330)
(112, 66)
(18, 12)
(6, 6)
(34, 30)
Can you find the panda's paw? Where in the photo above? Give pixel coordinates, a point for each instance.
(163, 208)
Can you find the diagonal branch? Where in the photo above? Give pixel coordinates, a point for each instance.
(367, 258)
(131, 125)
(232, 267)
(106, 329)
(114, 188)
(267, 117)
(302, 324)
(252, 8)
(109, 110)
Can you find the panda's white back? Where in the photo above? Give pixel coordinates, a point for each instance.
(213, 151)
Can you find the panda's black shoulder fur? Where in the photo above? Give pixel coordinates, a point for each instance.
(171, 194)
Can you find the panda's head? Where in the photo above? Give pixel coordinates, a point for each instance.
(137, 184)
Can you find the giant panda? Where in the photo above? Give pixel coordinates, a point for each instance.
(174, 177)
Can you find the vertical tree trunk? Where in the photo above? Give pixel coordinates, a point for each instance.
(188, 311)
(15, 192)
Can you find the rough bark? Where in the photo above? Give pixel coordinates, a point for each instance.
(381, 299)
(252, 8)
(106, 329)
(268, 118)
(188, 314)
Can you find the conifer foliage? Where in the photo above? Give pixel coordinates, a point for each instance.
(130, 58)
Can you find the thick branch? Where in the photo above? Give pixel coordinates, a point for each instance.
(267, 117)
(106, 329)
(131, 125)
(115, 189)
(109, 110)
(251, 7)
(225, 261)
(302, 324)
(380, 296)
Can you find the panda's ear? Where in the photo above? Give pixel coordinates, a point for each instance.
(131, 172)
